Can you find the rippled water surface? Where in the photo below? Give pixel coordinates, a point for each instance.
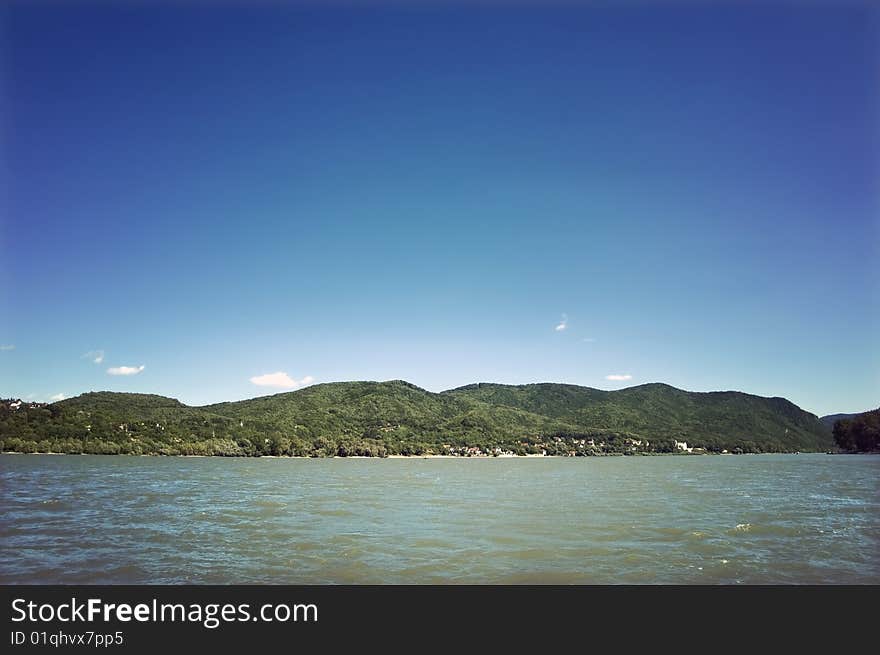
(715, 519)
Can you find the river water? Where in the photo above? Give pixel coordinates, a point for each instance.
(776, 519)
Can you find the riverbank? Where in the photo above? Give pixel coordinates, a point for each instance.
(432, 456)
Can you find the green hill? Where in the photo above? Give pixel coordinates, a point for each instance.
(858, 433)
(396, 417)
(829, 420)
(715, 420)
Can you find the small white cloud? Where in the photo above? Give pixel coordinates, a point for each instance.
(617, 377)
(125, 370)
(57, 397)
(563, 324)
(588, 340)
(281, 380)
(8, 346)
(97, 356)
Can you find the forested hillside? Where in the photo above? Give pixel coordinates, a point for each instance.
(396, 417)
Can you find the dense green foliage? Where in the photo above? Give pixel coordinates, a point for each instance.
(714, 421)
(387, 418)
(860, 433)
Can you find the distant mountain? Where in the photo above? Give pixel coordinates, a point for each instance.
(719, 419)
(396, 417)
(829, 420)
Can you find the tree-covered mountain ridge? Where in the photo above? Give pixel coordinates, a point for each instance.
(858, 433)
(397, 417)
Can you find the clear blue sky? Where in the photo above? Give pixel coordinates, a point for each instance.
(219, 195)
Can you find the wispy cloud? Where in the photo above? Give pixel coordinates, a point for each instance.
(563, 324)
(8, 346)
(619, 377)
(588, 340)
(57, 397)
(125, 370)
(97, 356)
(280, 380)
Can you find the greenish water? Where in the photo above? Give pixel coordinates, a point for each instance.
(719, 519)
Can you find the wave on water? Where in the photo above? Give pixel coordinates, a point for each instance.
(338, 512)
(269, 504)
(55, 504)
(770, 530)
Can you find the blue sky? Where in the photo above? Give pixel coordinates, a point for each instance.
(303, 195)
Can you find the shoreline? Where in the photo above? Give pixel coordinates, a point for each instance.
(480, 457)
